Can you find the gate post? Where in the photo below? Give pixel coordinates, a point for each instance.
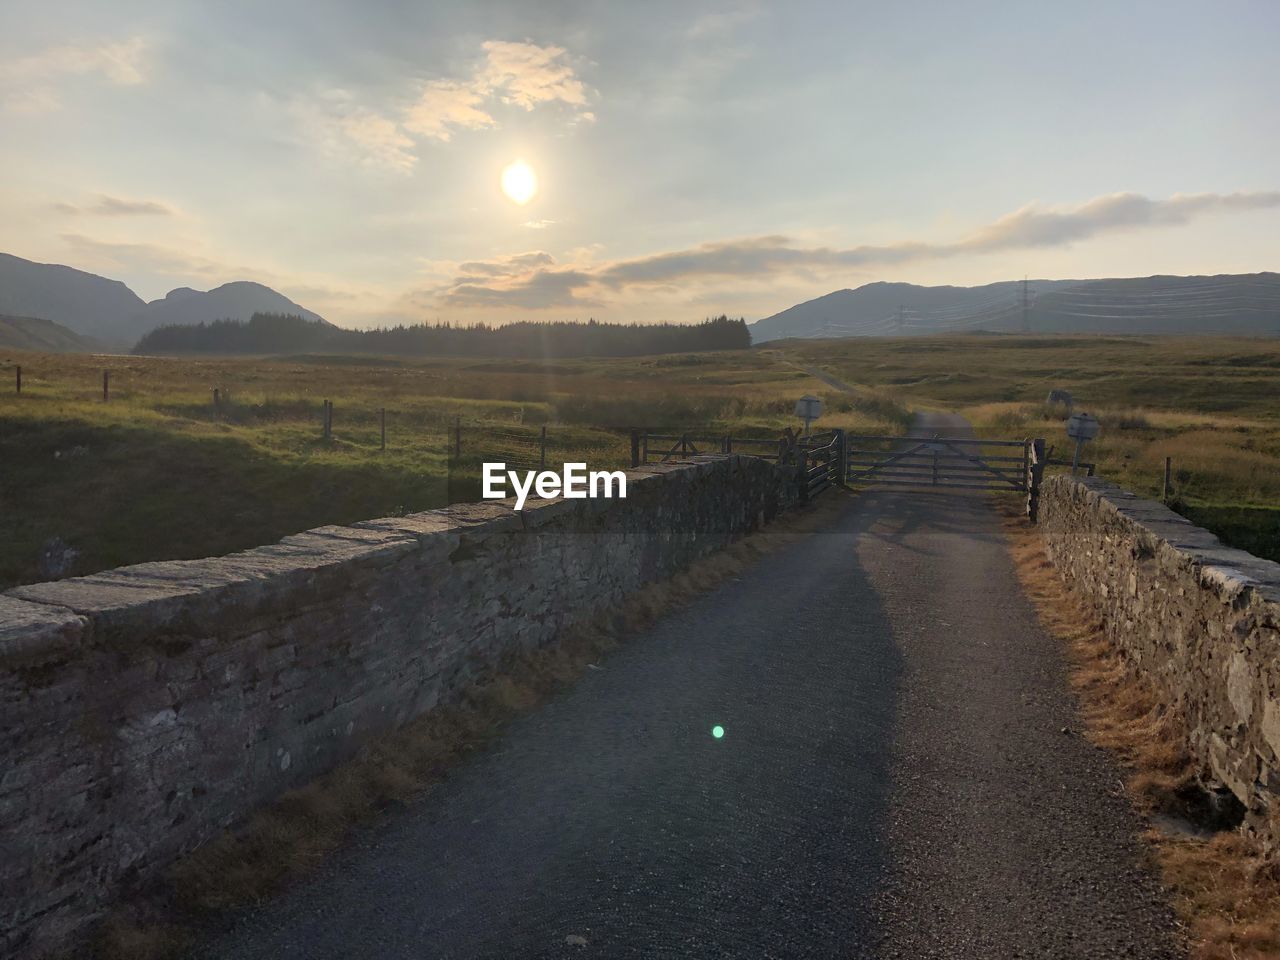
(1035, 473)
(841, 457)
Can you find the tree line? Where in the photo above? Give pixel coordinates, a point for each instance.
(274, 333)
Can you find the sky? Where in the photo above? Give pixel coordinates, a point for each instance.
(691, 158)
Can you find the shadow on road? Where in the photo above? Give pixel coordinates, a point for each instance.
(613, 823)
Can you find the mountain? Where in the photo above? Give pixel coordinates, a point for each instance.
(44, 336)
(1227, 303)
(231, 301)
(111, 313)
(95, 306)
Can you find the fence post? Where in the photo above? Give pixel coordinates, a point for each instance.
(542, 459)
(1168, 476)
(106, 385)
(382, 428)
(635, 448)
(802, 471)
(841, 457)
(217, 402)
(19, 378)
(326, 421)
(457, 438)
(1035, 474)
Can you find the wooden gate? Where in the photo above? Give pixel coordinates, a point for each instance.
(952, 462)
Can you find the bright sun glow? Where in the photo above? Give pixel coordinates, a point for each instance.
(519, 182)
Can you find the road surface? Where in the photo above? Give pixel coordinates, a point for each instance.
(893, 781)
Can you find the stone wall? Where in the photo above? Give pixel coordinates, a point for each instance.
(1200, 619)
(144, 709)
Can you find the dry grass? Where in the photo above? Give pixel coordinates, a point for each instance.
(290, 838)
(1223, 888)
(107, 478)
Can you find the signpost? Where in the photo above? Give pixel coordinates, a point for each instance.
(808, 409)
(1081, 428)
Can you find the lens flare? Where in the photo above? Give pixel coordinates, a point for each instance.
(717, 731)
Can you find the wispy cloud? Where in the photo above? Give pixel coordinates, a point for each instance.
(543, 283)
(445, 106)
(526, 75)
(32, 83)
(519, 74)
(107, 206)
(343, 128)
(185, 264)
(154, 258)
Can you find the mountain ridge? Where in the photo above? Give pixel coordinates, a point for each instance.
(108, 312)
(1162, 303)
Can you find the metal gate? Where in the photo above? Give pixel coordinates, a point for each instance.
(939, 462)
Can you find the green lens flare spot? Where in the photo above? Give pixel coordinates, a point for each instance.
(717, 731)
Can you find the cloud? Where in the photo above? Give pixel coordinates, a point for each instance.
(382, 141)
(107, 206)
(538, 290)
(167, 261)
(519, 74)
(1035, 227)
(446, 105)
(526, 75)
(507, 266)
(184, 268)
(537, 224)
(530, 281)
(342, 128)
(533, 284)
(31, 83)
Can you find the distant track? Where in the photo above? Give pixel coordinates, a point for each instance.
(826, 378)
(897, 779)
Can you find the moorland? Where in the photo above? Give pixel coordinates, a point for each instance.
(157, 471)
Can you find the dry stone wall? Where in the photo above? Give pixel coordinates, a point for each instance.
(1200, 619)
(146, 708)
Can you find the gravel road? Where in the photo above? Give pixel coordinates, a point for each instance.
(893, 781)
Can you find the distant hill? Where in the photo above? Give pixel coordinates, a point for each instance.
(45, 336)
(95, 306)
(111, 313)
(231, 301)
(1228, 303)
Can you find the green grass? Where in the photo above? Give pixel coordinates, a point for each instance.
(155, 474)
(1212, 404)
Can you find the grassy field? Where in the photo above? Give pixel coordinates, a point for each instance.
(154, 473)
(1211, 404)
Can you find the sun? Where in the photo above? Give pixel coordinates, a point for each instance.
(519, 182)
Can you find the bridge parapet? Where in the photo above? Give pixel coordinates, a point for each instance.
(145, 709)
(1199, 619)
